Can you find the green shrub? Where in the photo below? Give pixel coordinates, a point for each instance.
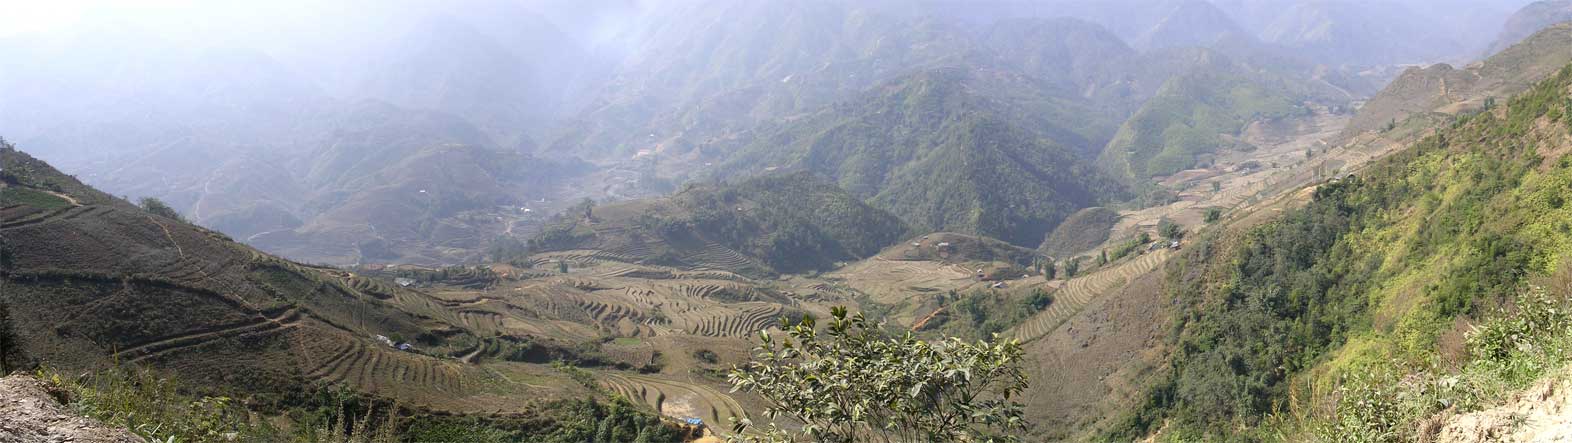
(11, 357)
(850, 383)
(151, 406)
(159, 208)
(1506, 354)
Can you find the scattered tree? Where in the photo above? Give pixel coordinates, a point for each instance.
(562, 266)
(585, 208)
(1217, 186)
(1213, 214)
(507, 250)
(1170, 230)
(1072, 268)
(1103, 258)
(854, 384)
(1050, 269)
(10, 352)
(159, 208)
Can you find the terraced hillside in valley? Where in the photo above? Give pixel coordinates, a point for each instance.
(1077, 292)
(678, 399)
(90, 279)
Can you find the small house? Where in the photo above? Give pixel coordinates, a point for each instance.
(404, 281)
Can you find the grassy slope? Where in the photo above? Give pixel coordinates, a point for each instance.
(1376, 269)
(1186, 120)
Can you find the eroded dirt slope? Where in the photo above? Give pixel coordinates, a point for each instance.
(29, 414)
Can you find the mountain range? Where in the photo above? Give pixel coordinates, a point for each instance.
(1199, 220)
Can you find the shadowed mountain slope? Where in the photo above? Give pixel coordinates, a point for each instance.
(939, 153)
(783, 222)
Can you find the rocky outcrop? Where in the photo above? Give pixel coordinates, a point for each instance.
(1543, 413)
(28, 414)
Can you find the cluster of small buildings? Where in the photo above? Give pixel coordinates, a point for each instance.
(391, 344)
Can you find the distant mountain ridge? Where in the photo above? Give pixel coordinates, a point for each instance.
(1529, 21)
(1447, 90)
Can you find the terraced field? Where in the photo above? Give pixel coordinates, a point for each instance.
(1079, 291)
(367, 365)
(548, 260)
(175, 343)
(714, 256)
(677, 399)
(741, 320)
(64, 213)
(894, 281)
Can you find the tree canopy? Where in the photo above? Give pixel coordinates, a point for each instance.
(851, 383)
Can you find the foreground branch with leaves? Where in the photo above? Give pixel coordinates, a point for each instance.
(851, 383)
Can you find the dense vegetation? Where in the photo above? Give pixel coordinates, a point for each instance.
(1506, 354)
(1193, 113)
(979, 314)
(792, 222)
(1374, 269)
(11, 357)
(943, 158)
(160, 408)
(850, 383)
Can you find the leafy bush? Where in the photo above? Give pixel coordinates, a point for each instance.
(159, 208)
(1506, 354)
(1170, 230)
(854, 384)
(151, 406)
(982, 313)
(11, 357)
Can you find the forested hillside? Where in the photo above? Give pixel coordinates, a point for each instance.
(783, 222)
(1385, 269)
(932, 151)
(1199, 112)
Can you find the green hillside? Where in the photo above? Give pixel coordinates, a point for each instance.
(786, 222)
(931, 151)
(1194, 114)
(1384, 272)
